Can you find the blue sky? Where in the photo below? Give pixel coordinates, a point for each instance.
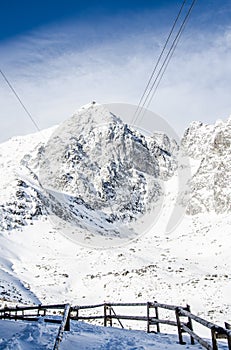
(18, 17)
(60, 55)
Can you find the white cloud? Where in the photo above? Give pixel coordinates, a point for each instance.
(54, 76)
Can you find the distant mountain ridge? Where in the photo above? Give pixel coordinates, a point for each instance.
(210, 188)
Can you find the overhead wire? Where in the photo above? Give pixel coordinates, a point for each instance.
(20, 100)
(145, 104)
(159, 58)
(171, 54)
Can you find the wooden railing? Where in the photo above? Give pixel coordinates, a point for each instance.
(217, 332)
(32, 313)
(178, 316)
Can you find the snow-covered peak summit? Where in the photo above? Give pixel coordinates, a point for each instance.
(92, 114)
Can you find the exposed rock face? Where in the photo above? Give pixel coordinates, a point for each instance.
(107, 166)
(21, 209)
(210, 186)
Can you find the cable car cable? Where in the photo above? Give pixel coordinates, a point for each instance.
(158, 60)
(19, 100)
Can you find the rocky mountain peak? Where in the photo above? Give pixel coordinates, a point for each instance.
(96, 171)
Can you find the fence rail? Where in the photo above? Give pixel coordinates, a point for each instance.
(66, 312)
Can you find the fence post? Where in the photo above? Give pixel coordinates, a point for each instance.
(64, 326)
(214, 339)
(148, 317)
(110, 318)
(38, 311)
(177, 312)
(105, 315)
(229, 341)
(77, 314)
(157, 317)
(68, 325)
(190, 324)
(228, 326)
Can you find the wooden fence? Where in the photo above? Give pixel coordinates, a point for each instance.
(178, 316)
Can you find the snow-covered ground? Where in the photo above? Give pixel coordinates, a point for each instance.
(189, 266)
(21, 335)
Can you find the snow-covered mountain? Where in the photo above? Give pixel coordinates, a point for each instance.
(105, 176)
(94, 174)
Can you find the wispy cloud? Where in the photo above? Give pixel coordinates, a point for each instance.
(55, 71)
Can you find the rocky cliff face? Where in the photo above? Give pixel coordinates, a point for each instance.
(210, 188)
